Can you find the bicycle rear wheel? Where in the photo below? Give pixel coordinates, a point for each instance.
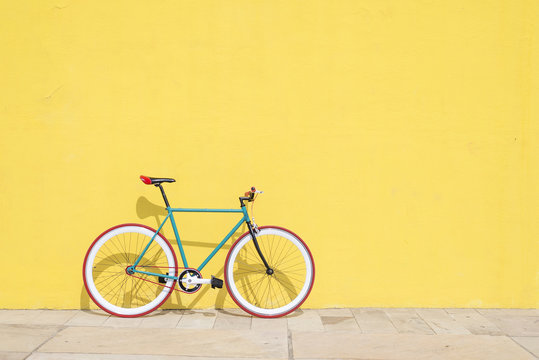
(269, 295)
(108, 283)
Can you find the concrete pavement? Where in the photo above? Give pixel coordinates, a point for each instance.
(364, 333)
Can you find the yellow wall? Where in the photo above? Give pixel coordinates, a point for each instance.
(398, 138)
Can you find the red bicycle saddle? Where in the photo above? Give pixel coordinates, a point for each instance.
(154, 181)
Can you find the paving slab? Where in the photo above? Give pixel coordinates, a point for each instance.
(408, 322)
(461, 311)
(353, 345)
(24, 338)
(8, 355)
(197, 319)
(78, 356)
(441, 322)
(338, 319)
(475, 322)
(516, 325)
(185, 342)
(530, 343)
(116, 321)
(53, 317)
(18, 316)
(345, 312)
(278, 324)
(24, 331)
(511, 312)
(306, 320)
(335, 323)
(88, 318)
(162, 319)
(235, 319)
(373, 321)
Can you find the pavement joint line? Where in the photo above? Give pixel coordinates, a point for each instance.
(391, 320)
(290, 346)
(477, 312)
(393, 323)
(71, 317)
(447, 312)
(175, 326)
(510, 337)
(357, 322)
(426, 322)
(61, 327)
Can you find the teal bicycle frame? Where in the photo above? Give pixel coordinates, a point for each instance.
(244, 219)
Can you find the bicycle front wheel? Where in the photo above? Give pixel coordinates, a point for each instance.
(109, 284)
(276, 294)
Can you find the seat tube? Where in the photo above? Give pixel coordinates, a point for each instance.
(184, 260)
(151, 240)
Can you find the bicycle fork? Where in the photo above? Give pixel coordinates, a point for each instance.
(252, 231)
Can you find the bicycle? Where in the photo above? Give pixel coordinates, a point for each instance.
(131, 269)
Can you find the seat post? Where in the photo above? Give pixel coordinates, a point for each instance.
(164, 196)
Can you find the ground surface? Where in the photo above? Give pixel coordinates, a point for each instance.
(365, 333)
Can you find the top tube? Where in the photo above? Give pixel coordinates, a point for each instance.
(205, 210)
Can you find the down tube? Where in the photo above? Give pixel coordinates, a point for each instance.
(221, 243)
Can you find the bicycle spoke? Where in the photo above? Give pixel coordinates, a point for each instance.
(120, 291)
(276, 293)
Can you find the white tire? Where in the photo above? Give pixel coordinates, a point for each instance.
(107, 281)
(266, 294)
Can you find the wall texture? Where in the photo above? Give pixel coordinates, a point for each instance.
(396, 137)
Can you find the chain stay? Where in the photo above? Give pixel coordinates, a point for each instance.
(164, 267)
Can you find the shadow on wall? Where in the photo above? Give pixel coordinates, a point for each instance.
(148, 210)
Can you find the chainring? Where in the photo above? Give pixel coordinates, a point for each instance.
(183, 281)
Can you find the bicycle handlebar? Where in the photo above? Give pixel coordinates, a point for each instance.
(249, 195)
(253, 191)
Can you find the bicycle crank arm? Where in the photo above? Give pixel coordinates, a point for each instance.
(194, 281)
(214, 282)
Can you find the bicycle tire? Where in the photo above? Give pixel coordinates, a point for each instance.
(269, 295)
(110, 286)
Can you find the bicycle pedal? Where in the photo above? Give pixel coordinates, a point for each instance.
(162, 280)
(216, 283)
